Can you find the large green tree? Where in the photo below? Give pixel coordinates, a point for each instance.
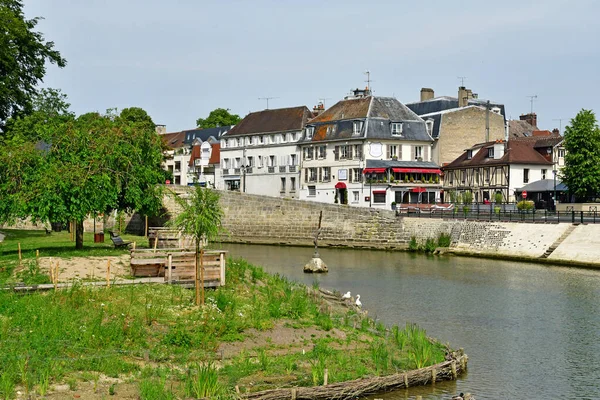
(24, 55)
(218, 117)
(581, 172)
(61, 168)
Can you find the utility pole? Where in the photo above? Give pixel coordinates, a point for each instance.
(368, 73)
(487, 121)
(267, 99)
(560, 120)
(532, 99)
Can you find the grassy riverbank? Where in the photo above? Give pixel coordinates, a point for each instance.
(260, 331)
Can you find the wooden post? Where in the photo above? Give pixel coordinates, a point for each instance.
(146, 226)
(155, 240)
(405, 381)
(133, 247)
(170, 268)
(294, 395)
(222, 265)
(37, 258)
(325, 376)
(454, 375)
(51, 272)
(202, 273)
(108, 274)
(56, 275)
(433, 375)
(20, 257)
(196, 274)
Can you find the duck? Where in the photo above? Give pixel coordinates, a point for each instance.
(346, 296)
(461, 396)
(358, 302)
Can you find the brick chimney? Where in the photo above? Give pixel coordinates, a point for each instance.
(463, 96)
(160, 129)
(427, 94)
(531, 118)
(318, 109)
(555, 132)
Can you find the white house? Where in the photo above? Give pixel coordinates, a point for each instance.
(260, 155)
(368, 151)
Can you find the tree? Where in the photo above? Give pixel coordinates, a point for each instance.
(23, 57)
(581, 172)
(218, 117)
(66, 169)
(200, 218)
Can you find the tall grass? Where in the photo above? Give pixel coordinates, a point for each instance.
(202, 381)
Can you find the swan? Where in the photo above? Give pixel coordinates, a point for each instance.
(358, 303)
(346, 296)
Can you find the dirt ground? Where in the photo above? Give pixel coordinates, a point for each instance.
(87, 268)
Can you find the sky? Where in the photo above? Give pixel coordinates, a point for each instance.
(180, 59)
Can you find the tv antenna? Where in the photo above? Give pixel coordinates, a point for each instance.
(322, 100)
(267, 99)
(560, 120)
(368, 74)
(462, 80)
(532, 99)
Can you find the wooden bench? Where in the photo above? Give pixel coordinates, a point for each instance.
(117, 240)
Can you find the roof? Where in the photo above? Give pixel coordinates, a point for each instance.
(215, 156)
(544, 185)
(515, 152)
(542, 139)
(205, 134)
(377, 113)
(273, 120)
(519, 128)
(437, 116)
(400, 164)
(173, 140)
(442, 103)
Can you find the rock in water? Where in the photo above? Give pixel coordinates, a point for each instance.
(315, 265)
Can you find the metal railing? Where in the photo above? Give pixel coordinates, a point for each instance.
(531, 216)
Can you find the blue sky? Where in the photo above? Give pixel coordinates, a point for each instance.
(180, 59)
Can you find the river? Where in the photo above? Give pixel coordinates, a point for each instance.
(531, 331)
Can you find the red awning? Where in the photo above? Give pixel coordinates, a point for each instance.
(374, 171)
(340, 185)
(378, 191)
(418, 170)
(418, 190)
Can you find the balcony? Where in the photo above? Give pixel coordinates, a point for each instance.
(249, 170)
(236, 171)
(282, 169)
(292, 168)
(271, 170)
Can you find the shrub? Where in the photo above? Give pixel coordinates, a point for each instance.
(430, 245)
(413, 245)
(468, 197)
(498, 198)
(444, 240)
(525, 205)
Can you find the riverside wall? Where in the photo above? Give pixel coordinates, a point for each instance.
(259, 219)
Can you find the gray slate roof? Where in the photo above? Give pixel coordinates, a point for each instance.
(544, 185)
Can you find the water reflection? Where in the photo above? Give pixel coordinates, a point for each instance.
(531, 331)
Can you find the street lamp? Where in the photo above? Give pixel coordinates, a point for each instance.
(554, 172)
(370, 178)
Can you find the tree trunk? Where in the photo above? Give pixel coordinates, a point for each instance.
(196, 275)
(79, 235)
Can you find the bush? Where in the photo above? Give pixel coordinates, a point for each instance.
(430, 245)
(413, 245)
(498, 198)
(525, 205)
(444, 240)
(468, 197)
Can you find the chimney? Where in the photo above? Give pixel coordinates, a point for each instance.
(463, 96)
(555, 132)
(498, 149)
(531, 118)
(469, 94)
(427, 94)
(318, 109)
(160, 129)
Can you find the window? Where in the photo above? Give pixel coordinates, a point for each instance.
(355, 196)
(284, 138)
(543, 174)
(451, 179)
(238, 142)
(355, 175)
(325, 174)
(469, 154)
(310, 174)
(358, 151)
(345, 152)
(322, 151)
(260, 161)
(283, 184)
(396, 128)
(487, 175)
(477, 177)
(272, 161)
(309, 132)
(312, 191)
(250, 161)
(237, 162)
(525, 175)
(275, 139)
(225, 163)
(491, 152)
(292, 184)
(293, 159)
(357, 127)
(463, 174)
(261, 139)
(224, 143)
(379, 196)
(308, 153)
(392, 151)
(561, 153)
(418, 152)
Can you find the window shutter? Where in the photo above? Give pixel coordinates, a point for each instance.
(324, 152)
(360, 152)
(274, 161)
(336, 152)
(412, 153)
(305, 174)
(425, 155)
(350, 152)
(399, 152)
(320, 174)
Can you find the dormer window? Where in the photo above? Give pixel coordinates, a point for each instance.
(310, 130)
(357, 127)
(491, 152)
(469, 154)
(396, 128)
(224, 143)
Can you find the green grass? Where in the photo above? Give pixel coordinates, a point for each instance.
(81, 332)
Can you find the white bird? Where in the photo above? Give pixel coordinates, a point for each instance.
(358, 303)
(346, 296)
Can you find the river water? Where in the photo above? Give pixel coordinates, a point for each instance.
(531, 331)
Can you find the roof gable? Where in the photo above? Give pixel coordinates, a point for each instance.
(273, 120)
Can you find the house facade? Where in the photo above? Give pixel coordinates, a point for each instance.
(459, 122)
(260, 155)
(503, 167)
(368, 151)
(204, 163)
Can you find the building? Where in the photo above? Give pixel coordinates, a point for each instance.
(504, 167)
(204, 164)
(368, 151)
(260, 155)
(457, 122)
(522, 127)
(179, 148)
